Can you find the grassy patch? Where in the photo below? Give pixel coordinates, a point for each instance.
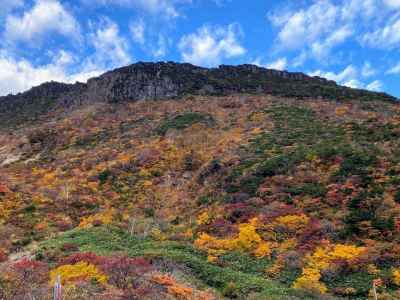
(109, 240)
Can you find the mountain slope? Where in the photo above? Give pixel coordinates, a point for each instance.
(249, 196)
(151, 81)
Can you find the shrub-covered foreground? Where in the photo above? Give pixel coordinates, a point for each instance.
(244, 196)
(91, 258)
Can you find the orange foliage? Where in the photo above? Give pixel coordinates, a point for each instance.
(173, 288)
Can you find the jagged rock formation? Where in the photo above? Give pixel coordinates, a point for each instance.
(151, 81)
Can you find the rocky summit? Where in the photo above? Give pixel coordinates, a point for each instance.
(167, 80)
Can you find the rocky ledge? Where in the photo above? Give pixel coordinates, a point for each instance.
(166, 80)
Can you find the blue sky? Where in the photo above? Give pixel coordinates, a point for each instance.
(354, 42)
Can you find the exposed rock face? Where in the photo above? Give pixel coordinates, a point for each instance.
(136, 82)
(152, 81)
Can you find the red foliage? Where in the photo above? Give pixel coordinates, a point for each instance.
(4, 189)
(27, 264)
(68, 247)
(88, 257)
(240, 212)
(97, 223)
(141, 292)
(397, 224)
(3, 256)
(276, 210)
(124, 272)
(311, 235)
(63, 225)
(221, 227)
(27, 270)
(148, 157)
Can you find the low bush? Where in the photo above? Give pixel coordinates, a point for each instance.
(185, 120)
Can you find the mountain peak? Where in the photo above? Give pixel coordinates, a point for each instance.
(166, 80)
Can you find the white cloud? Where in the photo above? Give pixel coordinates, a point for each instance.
(385, 37)
(315, 29)
(166, 8)
(353, 10)
(137, 29)
(353, 83)
(18, 75)
(394, 70)
(350, 77)
(162, 46)
(111, 50)
(322, 48)
(150, 40)
(299, 28)
(108, 48)
(300, 59)
(368, 70)
(392, 3)
(279, 64)
(375, 86)
(46, 16)
(349, 72)
(208, 46)
(347, 77)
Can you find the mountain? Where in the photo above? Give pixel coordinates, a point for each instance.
(151, 81)
(171, 181)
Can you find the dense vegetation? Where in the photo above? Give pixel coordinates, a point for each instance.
(238, 197)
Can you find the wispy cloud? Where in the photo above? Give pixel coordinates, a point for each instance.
(351, 77)
(385, 37)
(394, 70)
(166, 8)
(325, 25)
(137, 29)
(111, 49)
(376, 86)
(9, 5)
(210, 44)
(279, 64)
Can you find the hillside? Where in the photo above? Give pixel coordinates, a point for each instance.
(170, 181)
(160, 81)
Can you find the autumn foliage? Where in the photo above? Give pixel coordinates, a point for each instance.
(301, 192)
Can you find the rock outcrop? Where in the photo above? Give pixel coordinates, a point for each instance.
(165, 80)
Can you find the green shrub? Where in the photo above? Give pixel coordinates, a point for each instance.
(397, 196)
(204, 200)
(313, 189)
(185, 120)
(149, 212)
(104, 176)
(360, 281)
(231, 291)
(356, 162)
